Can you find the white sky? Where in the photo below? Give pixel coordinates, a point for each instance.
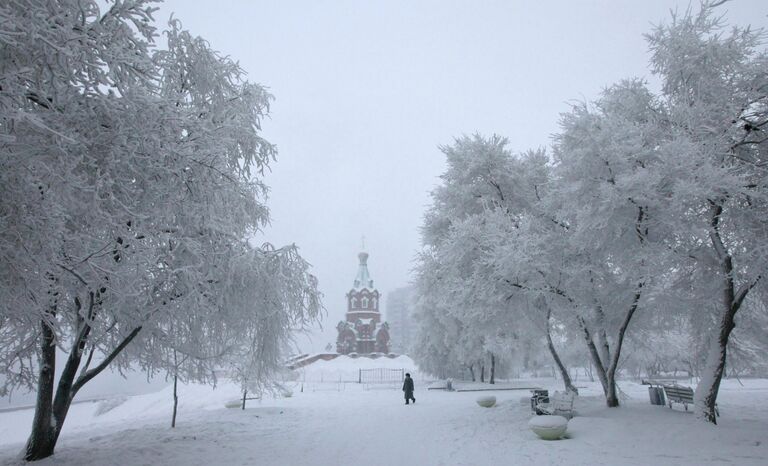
(366, 91)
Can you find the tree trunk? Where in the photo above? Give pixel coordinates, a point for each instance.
(527, 356)
(607, 364)
(705, 397)
(175, 400)
(65, 390)
(706, 393)
(42, 439)
(50, 412)
(492, 379)
(603, 347)
(614, 362)
(604, 353)
(472, 372)
(175, 386)
(607, 379)
(563, 370)
(482, 373)
(590, 372)
(610, 392)
(245, 393)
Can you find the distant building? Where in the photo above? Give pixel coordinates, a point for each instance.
(363, 332)
(400, 303)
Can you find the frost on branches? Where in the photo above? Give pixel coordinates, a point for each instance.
(130, 178)
(715, 90)
(650, 218)
(276, 285)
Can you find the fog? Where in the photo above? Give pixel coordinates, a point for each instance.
(365, 92)
(132, 237)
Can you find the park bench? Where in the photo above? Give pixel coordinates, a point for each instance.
(560, 404)
(680, 394)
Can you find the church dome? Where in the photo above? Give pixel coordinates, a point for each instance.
(363, 278)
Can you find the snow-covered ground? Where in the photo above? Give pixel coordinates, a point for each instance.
(351, 424)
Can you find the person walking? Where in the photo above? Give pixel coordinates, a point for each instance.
(408, 389)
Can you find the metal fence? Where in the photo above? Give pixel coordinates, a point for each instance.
(380, 376)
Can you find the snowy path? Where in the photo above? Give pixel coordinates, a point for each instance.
(355, 427)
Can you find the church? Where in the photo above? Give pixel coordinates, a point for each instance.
(363, 332)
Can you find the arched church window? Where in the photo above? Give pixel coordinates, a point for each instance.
(365, 303)
(353, 302)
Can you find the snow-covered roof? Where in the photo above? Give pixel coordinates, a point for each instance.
(363, 278)
(346, 326)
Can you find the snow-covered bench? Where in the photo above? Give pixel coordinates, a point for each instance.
(680, 394)
(560, 404)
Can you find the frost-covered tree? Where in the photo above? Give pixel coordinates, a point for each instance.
(485, 199)
(715, 88)
(607, 191)
(129, 178)
(652, 204)
(282, 296)
(436, 345)
(469, 187)
(527, 262)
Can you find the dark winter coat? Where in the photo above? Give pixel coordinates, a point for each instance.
(408, 387)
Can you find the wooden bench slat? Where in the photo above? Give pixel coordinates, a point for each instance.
(679, 394)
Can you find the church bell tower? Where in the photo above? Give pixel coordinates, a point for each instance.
(362, 332)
